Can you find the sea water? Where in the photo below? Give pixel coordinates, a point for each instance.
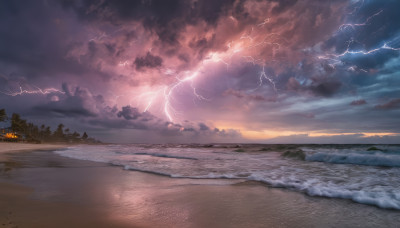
(364, 175)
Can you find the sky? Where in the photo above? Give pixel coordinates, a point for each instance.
(192, 71)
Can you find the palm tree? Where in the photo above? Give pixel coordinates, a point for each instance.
(59, 132)
(3, 115)
(84, 136)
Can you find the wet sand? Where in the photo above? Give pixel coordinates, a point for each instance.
(7, 147)
(12, 147)
(42, 189)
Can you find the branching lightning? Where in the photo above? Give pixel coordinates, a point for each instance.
(241, 47)
(354, 26)
(263, 75)
(244, 46)
(264, 22)
(123, 64)
(385, 46)
(36, 91)
(335, 59)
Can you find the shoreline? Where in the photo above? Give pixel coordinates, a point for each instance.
(43, 189)
(11, 147)
(18, 147)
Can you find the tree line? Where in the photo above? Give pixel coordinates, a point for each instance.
(37, 134)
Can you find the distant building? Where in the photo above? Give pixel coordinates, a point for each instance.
(6, 134)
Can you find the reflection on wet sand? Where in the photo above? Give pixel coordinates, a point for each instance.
(78, 193)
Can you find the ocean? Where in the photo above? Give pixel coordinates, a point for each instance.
(365, 174)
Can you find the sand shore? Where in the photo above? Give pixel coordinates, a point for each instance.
(11, 147)
(7, 147)
(42, 189)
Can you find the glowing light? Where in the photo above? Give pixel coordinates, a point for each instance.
(150, 97)
(335, 58)
(353, 26)
(245, 43)
(264, 22)
(123, 64)
(243, 46)
(385, 46)
(262, 76)
(99, 37)
(379, 134)
(37, 91)
(10, 136)
(266, 134)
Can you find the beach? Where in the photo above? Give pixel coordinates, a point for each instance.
(200, 114)
(42, 189)
(7, 147)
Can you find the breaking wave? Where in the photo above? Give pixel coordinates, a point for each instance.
(357, 157)
(333, 175)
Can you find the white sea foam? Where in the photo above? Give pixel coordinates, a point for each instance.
(381, 197)
(335, 176)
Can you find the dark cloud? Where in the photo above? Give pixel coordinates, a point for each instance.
(283, 5)
(392, 104)
(130, 113)
(325, 87)
(148, 61)
(131, 118)
(166, 18)
(203, 127)
(249, 59)
(358, 102)
(247, 97)
(39, 38)
(37, 48)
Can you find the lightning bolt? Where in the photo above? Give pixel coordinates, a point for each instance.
(37, 91)
(335, 59)
(266, 21)
(355, 68)
(354, 26)
(247, 41)
(385, 46)
(244, 43)
(263, 75)
(169, 110)
(123, 64)
(99, 37)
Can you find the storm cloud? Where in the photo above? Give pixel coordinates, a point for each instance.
(148, 61)
(216, 68)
